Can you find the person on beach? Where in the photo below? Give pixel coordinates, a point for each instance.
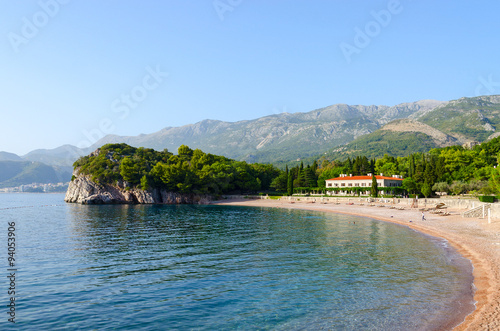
(423, 216)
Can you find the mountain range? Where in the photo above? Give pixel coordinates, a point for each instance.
(465, 121)
(334, 132)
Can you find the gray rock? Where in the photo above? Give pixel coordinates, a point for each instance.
(85, 191)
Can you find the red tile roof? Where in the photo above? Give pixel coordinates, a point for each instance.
(364, 177)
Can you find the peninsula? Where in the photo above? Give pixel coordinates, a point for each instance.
(121, 174)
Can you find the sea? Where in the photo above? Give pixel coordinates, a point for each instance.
(206, 267)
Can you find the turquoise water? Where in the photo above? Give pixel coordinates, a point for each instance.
(223, 268)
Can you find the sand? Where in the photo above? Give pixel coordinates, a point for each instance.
(474, 238)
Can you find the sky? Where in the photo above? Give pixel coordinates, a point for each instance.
(72, 71)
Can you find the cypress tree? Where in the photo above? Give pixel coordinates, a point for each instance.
(289, 185)
(374, 188)
(411, 171)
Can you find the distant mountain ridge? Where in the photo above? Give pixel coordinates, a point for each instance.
(408, 125)
(17, 173)
(62, 156)
(4, 156)
(43, 166)
(397, 138)
(465, 119)
(280, 138)
(457, 122)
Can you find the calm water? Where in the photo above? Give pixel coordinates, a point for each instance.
(224, 268)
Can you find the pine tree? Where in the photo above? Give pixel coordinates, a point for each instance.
(356, 166)
(372, 166)
(310, 177)
(365, 166)
(315, 166)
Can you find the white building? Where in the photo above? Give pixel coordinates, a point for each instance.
(345, 183)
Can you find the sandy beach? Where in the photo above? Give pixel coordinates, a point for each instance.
(474, 238)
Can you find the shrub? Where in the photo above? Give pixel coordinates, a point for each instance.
(487, 198)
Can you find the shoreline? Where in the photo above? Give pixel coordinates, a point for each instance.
(473, 238)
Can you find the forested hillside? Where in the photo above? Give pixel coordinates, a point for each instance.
(188, 171)
(454, 170)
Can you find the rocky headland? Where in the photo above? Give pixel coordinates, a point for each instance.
(85, 191)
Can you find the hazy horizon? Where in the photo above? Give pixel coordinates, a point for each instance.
(72, 68)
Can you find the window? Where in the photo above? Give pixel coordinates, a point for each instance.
(343, 184)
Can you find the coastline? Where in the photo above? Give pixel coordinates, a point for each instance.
(474, 238)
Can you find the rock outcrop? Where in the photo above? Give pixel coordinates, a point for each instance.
(85, 191)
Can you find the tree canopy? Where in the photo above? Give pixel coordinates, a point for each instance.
(188, 171)
(454, 170)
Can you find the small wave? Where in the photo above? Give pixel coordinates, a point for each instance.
(39, 206)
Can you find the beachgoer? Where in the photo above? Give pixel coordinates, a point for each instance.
(423, 216)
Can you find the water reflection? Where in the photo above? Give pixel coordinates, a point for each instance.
(262, 266)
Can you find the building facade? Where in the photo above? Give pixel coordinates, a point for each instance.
(346, 184)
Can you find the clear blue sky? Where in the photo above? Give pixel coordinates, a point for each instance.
(85, 66)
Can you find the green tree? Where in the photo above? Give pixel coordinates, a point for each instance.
(411, 168)
(441, 187)
(374, 188)
(290, 185)
(145, 185)
(458, 187)
(495, 180)
(426, 190)
(280, 183)
(128, 171)
(184, 152)
(429, 175)
(409, 185)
